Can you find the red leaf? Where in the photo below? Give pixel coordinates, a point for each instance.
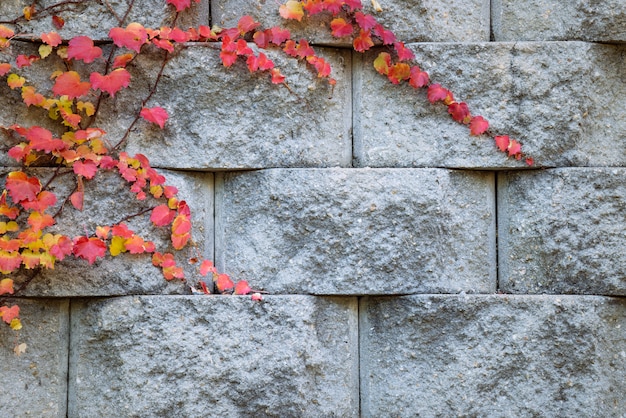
(8, 314)
(399, 72)
(4, 68)
(514, 148)
(228, 58)
(25, 60)
(404, 53)
(89, 248)
(223, 283)
(341, 28)
(418, 78)
(279, 35)
(41, 140)
(69, 84)
(133, 37)
(387, 36)
(86, 168)
(365, 22)
(363, 42)
(21, 187)
(437, 93)
(181, 4)
(502, 142)
(247, 24)
(121, 61)
(277, 77)
(112, 82)
(207, 267)
(77, 198)
(58, 22)
(478, 125)
(204, 287)
(156, 115)
(162, 215)
(242, 288)
(44, 200)
(38, 221)
(51, 38)
(460, 112)
(82, 48)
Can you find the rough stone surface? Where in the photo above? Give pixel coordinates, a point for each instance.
(565, 101)
(34, 384)
(217, 356)
(357, 231)
(107, 202)
(94, 18)
(550, 20)
(228, 118)
(411, 21)
(562, 231)
(505, 356)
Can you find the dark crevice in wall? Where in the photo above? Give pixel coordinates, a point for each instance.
(358, 350)
(495, 211)
(492, 37)
(69, 357)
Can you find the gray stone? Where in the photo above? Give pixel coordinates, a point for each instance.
(95, 18)
(35, 382)
(108, 201)
(220, 356)
(493, 356)
(357, 231)
(411, 21)
(228, 118)
(565, 101)
(562, 231)
(550, 20)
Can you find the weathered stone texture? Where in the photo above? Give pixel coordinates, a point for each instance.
(505, 356)
(94, 18)
(357, 231)
(34, 384)
(228, 118)
(411, 21)
(562, 231)
(108, 201)
(565, 101)
(550, 20)
(214, 356)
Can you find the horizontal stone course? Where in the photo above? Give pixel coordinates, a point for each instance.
(554, 20)
(217, 356)
(564, 101)
(35, 382)
(562, 231)
(357, 231)
(108, 201)
(95, 18)
(498, 355)
(227, 118)
(411, 21)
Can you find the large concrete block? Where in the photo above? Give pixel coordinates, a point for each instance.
(550, 20)
(357, 231)
(96, 18)
(562, 231)
(199, 356)
(108, 201)
(493, 356)
(411, 21)
(565, 101)
(35, 382)
(228, 118)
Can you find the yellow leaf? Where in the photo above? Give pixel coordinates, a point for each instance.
(44, 50)
(15, 81)
(117, 245)
(16, 324)
(86, 107)
(62, 52)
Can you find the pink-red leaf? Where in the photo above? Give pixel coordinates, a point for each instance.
(156, 115)
(69, 84)
(112, 82)
(89, 248)
(82, 48)
(478, 125)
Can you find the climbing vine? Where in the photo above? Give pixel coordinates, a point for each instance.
(78, 151)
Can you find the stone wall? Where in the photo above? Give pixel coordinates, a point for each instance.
(412, 270)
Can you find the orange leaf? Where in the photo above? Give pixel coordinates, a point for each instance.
(242, 288)
(292, 10)
(8, 313)
(21, 187)
(6, 286)
(51, 38)
(223, 283)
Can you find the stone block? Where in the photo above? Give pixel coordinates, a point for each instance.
(357, 231)
(564, 101)
(553, 20)
(227, 118)
(562, 231)
(96, 18)
(35, 382)
(108, 201)
(497, 355)
(217, 356)
(411, 21)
